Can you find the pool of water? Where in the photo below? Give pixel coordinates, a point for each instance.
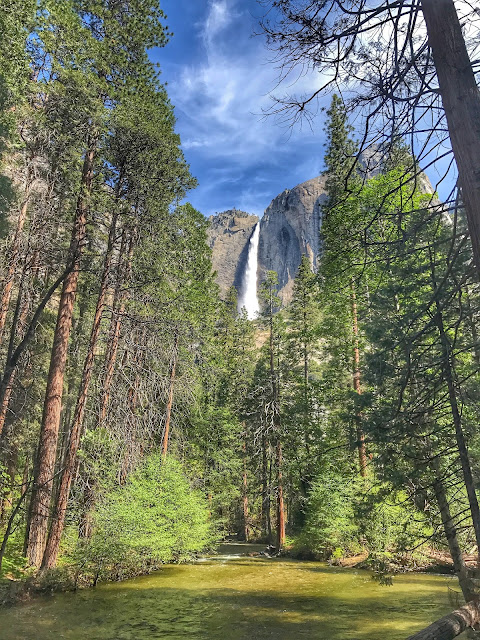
(236, 597)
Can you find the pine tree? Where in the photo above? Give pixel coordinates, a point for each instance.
(118, 60)
(270, 302)
(339, 209)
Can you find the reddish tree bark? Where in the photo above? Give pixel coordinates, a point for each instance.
(12, 360)
(58, 521)
(46, 454)
(461, 102)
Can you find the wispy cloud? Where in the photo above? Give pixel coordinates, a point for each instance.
(220, 16)
(221, 97)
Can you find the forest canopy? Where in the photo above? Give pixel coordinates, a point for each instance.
(143, 416)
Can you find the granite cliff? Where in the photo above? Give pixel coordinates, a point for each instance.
(289, 228)
(228, 236)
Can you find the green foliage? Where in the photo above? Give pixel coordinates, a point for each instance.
(390, 524)
(14, 564)
(340, 154)
(155, 518)
(75, 76)
(330, 517)
(346, 515)
(216, 435)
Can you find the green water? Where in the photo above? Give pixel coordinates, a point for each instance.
(239, 598)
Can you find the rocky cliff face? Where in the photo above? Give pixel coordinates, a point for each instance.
(228, 236)
(289, 228)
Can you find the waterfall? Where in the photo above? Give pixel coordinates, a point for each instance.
(247, 296)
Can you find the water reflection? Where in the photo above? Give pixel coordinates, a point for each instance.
(239, 598)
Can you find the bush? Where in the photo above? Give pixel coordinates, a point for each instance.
(391, 525)
(153, 519)
(330, 518)
(347, 515)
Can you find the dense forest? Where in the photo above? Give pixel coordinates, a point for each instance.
(143, 418)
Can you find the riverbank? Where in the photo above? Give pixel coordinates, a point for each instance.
(231, 594)
(21, 585)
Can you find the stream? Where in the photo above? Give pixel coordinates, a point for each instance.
(232, 596)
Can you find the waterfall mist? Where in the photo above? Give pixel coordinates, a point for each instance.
(247, 296)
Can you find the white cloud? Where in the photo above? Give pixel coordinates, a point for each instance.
(222, 96)
(220, 15)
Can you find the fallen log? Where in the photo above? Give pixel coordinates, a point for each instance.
(452, 625)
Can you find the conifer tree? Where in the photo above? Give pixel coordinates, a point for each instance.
(270, 301)
(342, 181)
(117, 60)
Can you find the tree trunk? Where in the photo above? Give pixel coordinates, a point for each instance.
(280, 503)
(451, 626)
(306, 403)
(85, 525)
(362, 455)
(13, 258)
(12, 360)
(277, 428)
(8, 486)
(246, 529)
(466, 585)
(58, 521)
(46, 455)
(461, 102)
(269, 500)
(266, 525)
(6, 401)
(460, 438)
(473, 327)
(10, 522)
(448, 370)
(173, 368)
(18, 326)
(119, 305)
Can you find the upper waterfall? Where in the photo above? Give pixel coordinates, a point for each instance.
(247, 296)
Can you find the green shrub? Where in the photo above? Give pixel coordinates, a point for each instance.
(346, 515)
(390, 523)
(155, 518)
(330, 518)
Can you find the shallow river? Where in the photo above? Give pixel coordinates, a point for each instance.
(238, 598)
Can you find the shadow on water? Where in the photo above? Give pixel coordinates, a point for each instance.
(237, 600)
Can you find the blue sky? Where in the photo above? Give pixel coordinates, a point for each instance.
(219, 78)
